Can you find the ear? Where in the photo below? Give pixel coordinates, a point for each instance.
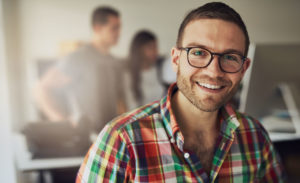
(175, 54)
(246, 65)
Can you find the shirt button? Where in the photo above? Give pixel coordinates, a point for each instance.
(172, 140)
(186, 155)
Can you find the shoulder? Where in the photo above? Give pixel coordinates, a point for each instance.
(76, 57)
(84, 52)
(130, 123)
(248, 122)
(252, 128)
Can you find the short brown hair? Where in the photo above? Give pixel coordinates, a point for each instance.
(100, 15)
(214, 10)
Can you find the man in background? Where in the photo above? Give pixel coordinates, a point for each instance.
(89, 78)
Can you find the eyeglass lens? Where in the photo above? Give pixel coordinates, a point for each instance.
(199, 57)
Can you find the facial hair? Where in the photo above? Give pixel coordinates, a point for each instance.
(209, 103)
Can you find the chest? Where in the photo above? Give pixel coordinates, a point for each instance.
(203, 148)
(162, 160)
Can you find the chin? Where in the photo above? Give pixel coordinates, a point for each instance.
(208, 106)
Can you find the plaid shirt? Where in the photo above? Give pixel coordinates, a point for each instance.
(146, 145)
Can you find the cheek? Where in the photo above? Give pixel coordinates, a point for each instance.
(106, 33)
(116, 32)
(110, 32)
(149, 53)
(235, 79)
(186, 71)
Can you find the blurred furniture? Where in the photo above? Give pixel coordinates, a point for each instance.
(25, 163)
(268, 88)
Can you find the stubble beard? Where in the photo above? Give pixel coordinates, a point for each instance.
(189, 92)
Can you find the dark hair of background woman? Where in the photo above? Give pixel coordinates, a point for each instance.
(136, 59)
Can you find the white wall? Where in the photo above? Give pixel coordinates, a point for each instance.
(7, 170)
(42, 24)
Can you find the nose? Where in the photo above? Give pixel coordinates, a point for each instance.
(213, 69)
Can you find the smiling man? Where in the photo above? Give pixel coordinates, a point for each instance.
(193, 134)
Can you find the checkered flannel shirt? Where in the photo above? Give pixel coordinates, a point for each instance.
(146, 145)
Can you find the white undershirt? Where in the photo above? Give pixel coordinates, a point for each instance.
(151, 88)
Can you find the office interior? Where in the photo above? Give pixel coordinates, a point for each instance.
(33, 31)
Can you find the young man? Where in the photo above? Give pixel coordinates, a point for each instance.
(193, 134)
(88, 78)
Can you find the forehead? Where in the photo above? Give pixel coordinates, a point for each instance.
(112, 19)
(215, 34)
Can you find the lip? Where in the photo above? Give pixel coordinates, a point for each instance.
(211, 90)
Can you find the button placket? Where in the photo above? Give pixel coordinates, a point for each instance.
(200, 175)
(186, 155)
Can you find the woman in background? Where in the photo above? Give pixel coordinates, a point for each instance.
(144, 68)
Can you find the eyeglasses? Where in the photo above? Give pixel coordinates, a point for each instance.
(201, 58)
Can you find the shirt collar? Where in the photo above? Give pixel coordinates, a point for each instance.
(229, 121)
(167, 114)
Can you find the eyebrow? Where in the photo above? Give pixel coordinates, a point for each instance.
(208, 48)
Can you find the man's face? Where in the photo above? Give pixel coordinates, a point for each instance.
(109, 32)
(209, 88)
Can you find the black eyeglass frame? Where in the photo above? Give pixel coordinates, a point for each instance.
(187, 49)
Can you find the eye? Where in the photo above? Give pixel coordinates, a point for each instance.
(231, 57)
(198, 52)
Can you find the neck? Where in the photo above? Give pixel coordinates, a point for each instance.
(190, 118)
(101, 47)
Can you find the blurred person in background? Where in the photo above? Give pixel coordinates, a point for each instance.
(144, 83)
(88, 77)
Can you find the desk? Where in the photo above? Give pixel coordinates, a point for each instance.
(49, 163)
(278, 137)
(25, 163)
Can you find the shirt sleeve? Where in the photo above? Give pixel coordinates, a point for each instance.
(107, 159)
(271, 169)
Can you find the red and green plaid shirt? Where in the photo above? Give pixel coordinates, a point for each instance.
(146, 145)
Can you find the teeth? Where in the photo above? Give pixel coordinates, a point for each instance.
(214, 87)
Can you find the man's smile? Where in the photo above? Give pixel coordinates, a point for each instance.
(212, 88)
